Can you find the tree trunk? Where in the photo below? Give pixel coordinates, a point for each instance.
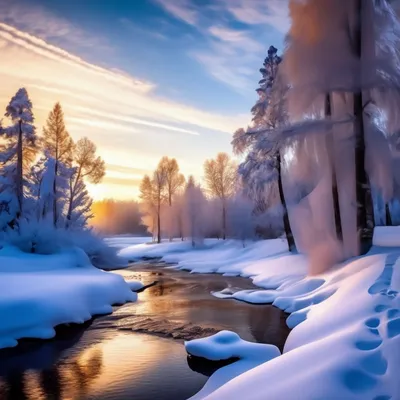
(158, 224)
(223, 220)
(19, 182)
(389, 221)
(330, 148)
(55, 194)
(286, 222)
(363, 191)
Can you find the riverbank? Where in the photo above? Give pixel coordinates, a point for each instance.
(345, 341)
(137, 352)
(40, 292)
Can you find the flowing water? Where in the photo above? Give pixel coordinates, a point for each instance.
(137, 352)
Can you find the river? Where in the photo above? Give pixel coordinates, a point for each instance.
(137, 352)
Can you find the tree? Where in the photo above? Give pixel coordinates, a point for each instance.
(194, 216)
(18, 151)
(173, 182)
(87, 166)
(152, 196)
(79, 202)
(58, 144)
(220, 175)
(262, 168)
(41, 187)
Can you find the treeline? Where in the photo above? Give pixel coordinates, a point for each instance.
(117, 217)
(174, 207)
(42, 178)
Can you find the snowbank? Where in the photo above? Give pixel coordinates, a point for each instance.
(39, 292)
(345, 341)
(223, 346)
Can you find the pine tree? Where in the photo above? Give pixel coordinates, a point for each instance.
(262, 168)
(19, 149)
(58, 144)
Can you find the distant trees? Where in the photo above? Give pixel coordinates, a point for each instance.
(115, 217)
(220, 175)
(194, 212)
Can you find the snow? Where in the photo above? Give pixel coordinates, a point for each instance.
(345, 341)
(123, 241)
(39, 292)
(223, 346)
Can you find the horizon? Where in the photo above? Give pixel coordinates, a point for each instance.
(187, 82)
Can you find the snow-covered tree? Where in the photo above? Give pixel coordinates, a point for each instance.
(261, 169)
(242, 223)
(16, 155)
(79, 201)
(41, 188)
(58, 145)
(220, 175)
(150, 207)
(345, 54)
(195, 210)
(87, 166)
(174, 181)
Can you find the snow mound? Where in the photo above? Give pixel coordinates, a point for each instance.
(225, 345)
(39, 292)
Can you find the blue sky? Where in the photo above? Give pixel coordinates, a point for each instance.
(153, 77)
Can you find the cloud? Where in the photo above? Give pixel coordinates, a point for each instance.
(254, 12)
(231, 55)
(183, 10)
(37, 20)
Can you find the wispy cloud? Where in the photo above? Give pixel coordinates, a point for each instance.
(253, 12)
(40, 22)
(184, 10)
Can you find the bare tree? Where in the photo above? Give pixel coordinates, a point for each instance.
(221, 177)
(87, 166)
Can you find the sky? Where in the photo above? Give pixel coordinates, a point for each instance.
(140, 78)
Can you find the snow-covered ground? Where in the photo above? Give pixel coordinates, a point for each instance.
(39, 292)
(345, 342)
(121, 241)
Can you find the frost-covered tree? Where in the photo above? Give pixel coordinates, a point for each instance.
(241, 217)
(152, 197)
(261, 169)
(41, 188)
(58, 144)
(195, 209)
(79, 201)
(220, 175)
(349, 51)
(17, 153)
(174, 181)
(87, 166)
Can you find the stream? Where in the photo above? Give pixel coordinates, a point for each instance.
(137, 352)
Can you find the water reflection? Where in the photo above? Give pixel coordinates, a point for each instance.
(104, 362)
(119, 366)
(67, 379)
